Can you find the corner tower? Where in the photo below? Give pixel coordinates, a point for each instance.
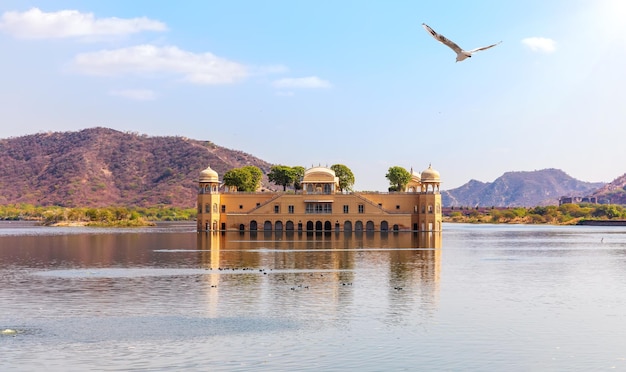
(208, 200)
(430, 201)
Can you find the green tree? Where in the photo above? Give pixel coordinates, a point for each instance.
(345, 175)
(282, 175)
(299, 176)
(398, 178)
(245, 179)
(256, 175)
(235, 177)
(608, 211)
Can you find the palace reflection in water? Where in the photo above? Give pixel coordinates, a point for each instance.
(396, 268)
(157, 285)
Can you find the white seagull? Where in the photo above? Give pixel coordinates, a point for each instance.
(460, 53)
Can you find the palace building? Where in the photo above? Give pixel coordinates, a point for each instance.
(320, 206)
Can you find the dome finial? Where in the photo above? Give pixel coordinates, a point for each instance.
(430, 175)
(209, 175)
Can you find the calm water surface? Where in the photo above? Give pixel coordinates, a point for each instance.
(476, 297)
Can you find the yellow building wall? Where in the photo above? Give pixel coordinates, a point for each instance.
(401, 209)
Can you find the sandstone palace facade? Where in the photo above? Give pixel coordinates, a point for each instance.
(320, 206)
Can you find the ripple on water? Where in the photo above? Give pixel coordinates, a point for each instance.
(156, 272)
(145, 328)
(118, 272)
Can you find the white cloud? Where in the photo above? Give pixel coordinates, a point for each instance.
(305, 82)
(540, 44)
(135, 94)
(197, 68)
(35, 24)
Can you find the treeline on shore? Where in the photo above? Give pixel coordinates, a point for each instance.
(565, 214)
(105, 216)
(145, 216)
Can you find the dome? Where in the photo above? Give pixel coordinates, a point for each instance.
(320, 170)
(430, 175)
(319, 174)
(208, 175)
(415, 177)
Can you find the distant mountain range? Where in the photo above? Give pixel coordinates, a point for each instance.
(519, 189)
(102, 167)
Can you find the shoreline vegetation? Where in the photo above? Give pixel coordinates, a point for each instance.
(118, 216)
(115, 216)
(565, 214)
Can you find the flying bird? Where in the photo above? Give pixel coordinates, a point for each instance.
(460, 53)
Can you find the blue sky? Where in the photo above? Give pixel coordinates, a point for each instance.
(359, 83)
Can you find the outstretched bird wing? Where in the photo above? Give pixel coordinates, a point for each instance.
(442, 39)
(483, 48)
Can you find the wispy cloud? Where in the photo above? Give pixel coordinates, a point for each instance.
(135, 94)
(305, 82)
(540, 44)
(148, 60)
(36, 24)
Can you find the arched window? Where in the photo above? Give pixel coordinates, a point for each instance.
(358, 226)
(369, 226)
(253, 225)
(347, 226)
(267, 226)
(384, 226)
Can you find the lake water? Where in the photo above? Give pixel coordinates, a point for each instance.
(475, 297)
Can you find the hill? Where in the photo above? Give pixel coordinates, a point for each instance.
(102, 167)
(519, 189)
(613, 192)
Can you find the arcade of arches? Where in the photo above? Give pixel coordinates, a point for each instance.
(317, 225)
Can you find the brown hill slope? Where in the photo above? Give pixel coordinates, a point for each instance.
(101, 167)
(613, 192)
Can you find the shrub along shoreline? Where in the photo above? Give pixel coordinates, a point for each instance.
(565, 214)
(115, 216)
(119, 216)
